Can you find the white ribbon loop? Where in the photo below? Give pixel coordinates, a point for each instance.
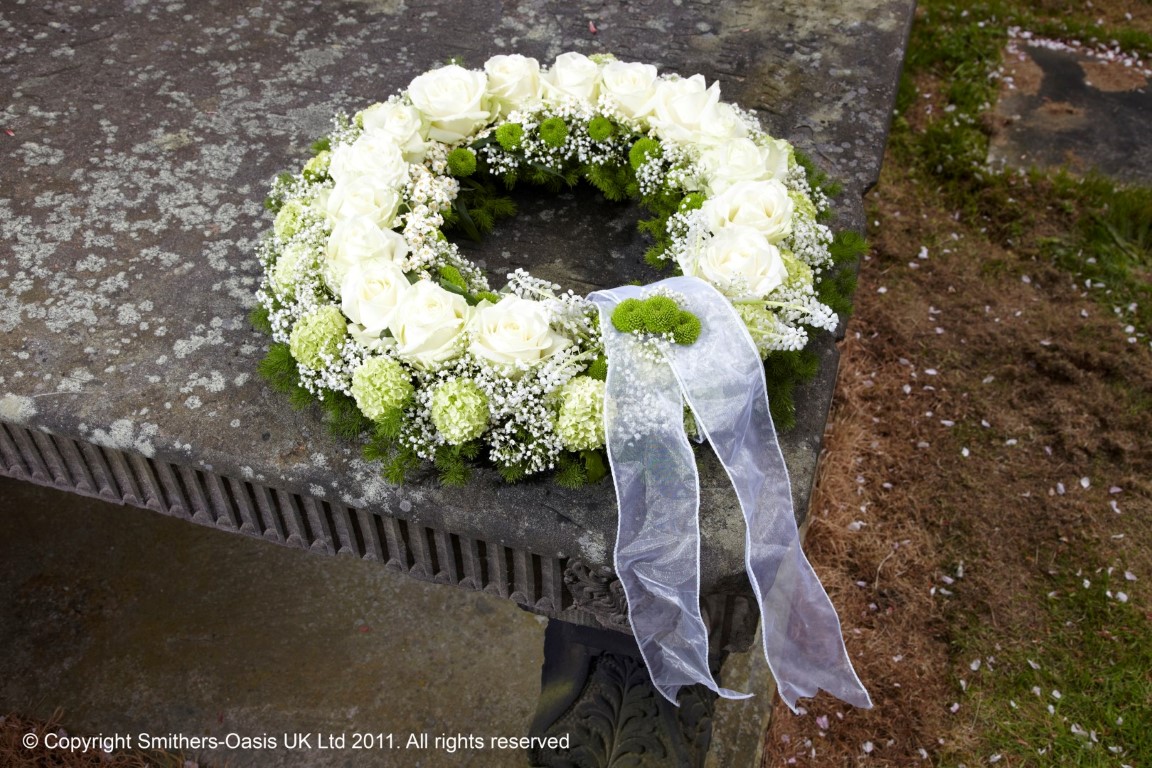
(721, 377)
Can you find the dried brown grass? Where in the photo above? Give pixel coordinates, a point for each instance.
(13, 754)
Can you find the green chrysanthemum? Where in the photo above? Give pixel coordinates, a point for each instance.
(510, 135)
(581, 421)
(642, 150)
(628, 316)
(554, 132)
(380, 386)
(318, 334)
(461, 162)
(660, 314)
(599, 369)
(600, 128)
(459, 411)
(687, 329)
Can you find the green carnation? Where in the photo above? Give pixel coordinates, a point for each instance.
(460, 411)
(318, 333)
(600, 128)
(461, 162)
(642, 150)
(554, 132)
(803, 204)
(510, 135)
(289, 220)
(316, 169)
(290, 265)
(581, 422)
(799, 273)
(380, 386)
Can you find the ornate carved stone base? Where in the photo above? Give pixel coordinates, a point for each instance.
(596, 690)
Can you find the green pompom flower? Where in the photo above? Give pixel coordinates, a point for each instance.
(627, 317)
(380, 386)
(461, 162)
(600, 128)
(510, 135)
(581, 421)
(799, 273)
(553, 132)
(317, 334)
(460, 411)
(642, 150)
(660, 314)
(687, 329)
(599, 369)
(289, 219)
(290, 266)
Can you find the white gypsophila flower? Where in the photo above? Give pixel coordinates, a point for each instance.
(370, 293)
(740, 262)
(362, 196)
(572, 76)
(453, 100)
(763, 205)
(630, 87)
(723, 165)
(375, 154)
(370, 341)
(429, 324)
(403, 123)
(514, 334)
(356, 241)
(513, 81)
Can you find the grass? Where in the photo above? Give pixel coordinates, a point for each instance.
(1040, 285)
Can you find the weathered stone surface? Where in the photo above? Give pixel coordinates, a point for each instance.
(140, 139)
(1067, 106)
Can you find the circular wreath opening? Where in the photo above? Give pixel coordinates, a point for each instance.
(376, 313)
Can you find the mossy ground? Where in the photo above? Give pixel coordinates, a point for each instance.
(983, 516)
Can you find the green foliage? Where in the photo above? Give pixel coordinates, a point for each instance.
(691, 202)
(461, 162)
(344, 417)
(258, 317)
(570, 471)
(783, 372)
(279, 369)
(451, 275)
(321, 145)
(451, 466)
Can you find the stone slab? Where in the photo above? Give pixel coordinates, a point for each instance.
(140, 624)
(140, 138)
(1066, 106)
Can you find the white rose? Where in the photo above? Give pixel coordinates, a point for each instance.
(513, 81)
(429, 324)
(370, 293)
(356, 241)
(573, 75)
(453, 100)
(721, 123)
(403, 123)
(374, 154)
(737, 160)
(764, 206)
(631, 86)
(680, 105)
(514, 333)
(740, 262)
(362, 196)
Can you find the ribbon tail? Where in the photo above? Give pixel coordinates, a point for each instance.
(658, 492)
(723, 382)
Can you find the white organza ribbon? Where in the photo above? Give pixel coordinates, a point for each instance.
(721, 377)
